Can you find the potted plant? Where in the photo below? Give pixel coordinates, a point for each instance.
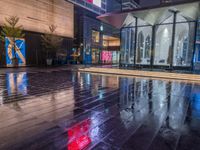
(12, 31)
(51, 42)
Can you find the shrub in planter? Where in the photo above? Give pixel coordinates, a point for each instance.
(51, 43)
(12, 31)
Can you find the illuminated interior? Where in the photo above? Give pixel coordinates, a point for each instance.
(110, 41)
(95, 36)
(159, 37)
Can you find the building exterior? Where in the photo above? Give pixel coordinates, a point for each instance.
(159, 37)
(95, 42)
(129, 4)
(36, 17)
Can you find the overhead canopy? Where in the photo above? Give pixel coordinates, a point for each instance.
(154, 15)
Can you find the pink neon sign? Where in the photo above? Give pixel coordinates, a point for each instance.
(106, 56)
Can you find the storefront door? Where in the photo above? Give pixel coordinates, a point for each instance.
(95, 56)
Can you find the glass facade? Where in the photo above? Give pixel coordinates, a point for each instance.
(184, 44)
(167, 43)
(144, 36)
(127, 45)
(163, 48)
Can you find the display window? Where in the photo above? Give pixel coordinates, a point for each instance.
(95, 36)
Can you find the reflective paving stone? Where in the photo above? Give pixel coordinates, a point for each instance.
(62, 109)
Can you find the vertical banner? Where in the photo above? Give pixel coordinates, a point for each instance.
(20, 51)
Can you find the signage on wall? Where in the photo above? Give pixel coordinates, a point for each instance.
(20, 51)
(95, 2)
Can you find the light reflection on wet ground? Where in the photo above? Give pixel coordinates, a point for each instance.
(72, 110)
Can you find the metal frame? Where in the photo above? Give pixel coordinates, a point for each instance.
(194, 47)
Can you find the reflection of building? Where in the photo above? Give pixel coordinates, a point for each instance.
(111, 82)
(158, 36)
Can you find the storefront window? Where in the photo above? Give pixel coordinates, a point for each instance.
(140, 47)
(110, 56)
(166, 52)
(184, 41)
(106, 57)
(144, 45)
(95, 56)
(163, 46)
(127, 48)
(147, 48)
(95, 36)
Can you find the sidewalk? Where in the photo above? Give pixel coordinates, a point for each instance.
(141, 73)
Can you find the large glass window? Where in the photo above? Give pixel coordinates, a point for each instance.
(127, 47)
(163, 47)
(183, 46)
(166, 52)
(144, 45)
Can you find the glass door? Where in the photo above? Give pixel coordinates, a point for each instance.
(95, 56)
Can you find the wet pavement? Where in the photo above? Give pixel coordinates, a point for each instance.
(62, 109)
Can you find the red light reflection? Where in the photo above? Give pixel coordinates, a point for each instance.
(78, 136)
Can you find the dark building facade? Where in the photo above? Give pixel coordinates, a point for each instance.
(95, 42)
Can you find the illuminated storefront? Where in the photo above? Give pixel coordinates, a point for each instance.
(108, 52)
(100, 44)
(111, 50)
(89, 31)
(160, 37)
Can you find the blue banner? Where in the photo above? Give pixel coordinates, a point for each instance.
(20, 51)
